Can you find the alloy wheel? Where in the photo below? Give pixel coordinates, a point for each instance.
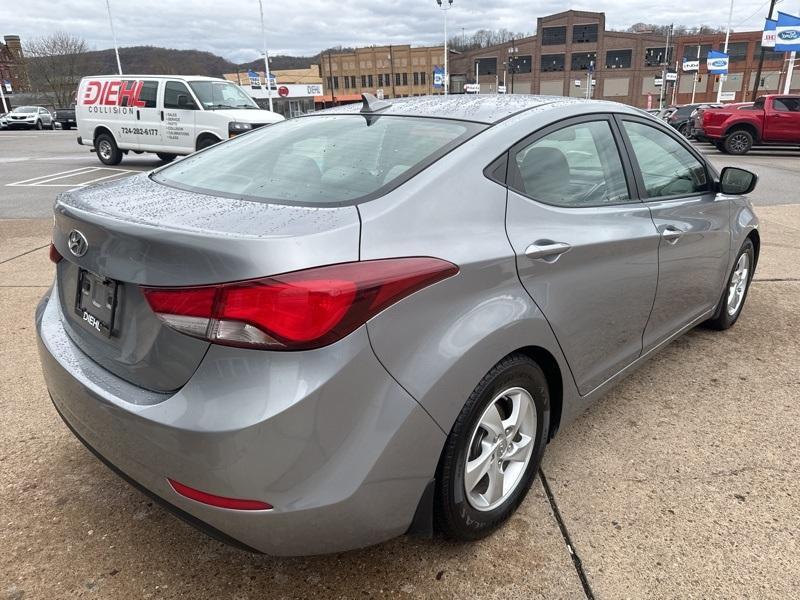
(104, 148)
(738, 284)
(500, 449)
(738, 142)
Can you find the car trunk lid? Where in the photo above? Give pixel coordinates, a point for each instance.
(140, 233)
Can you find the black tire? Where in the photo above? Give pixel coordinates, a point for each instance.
(685, 131)
(739, 141)
(454, 514)
(206, 141)
(165, 157)
(39, 126)
(723, 318)
(52, 126)
(107, 150)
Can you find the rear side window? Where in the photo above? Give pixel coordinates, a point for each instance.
(149, 93)
(320, 160)
(576, 166)
(668, 169)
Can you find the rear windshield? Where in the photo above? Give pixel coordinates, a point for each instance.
(319, 160)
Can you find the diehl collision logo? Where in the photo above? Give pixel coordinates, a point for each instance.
(789, 34)
(112, 96)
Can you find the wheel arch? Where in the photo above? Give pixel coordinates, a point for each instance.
(204, 135)
(100, 129)
(555, 382)
(744, 126)
(755, 237)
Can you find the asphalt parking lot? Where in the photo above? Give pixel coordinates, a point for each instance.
(684, 482)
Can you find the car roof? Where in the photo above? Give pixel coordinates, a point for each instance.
(479, 108)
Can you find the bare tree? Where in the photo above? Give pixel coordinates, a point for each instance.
(56, 63)
(483, 38)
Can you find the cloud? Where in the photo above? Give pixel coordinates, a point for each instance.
(231, 28)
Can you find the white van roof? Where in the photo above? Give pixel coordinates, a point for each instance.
(140, 76)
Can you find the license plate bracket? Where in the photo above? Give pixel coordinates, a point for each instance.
(96, 302)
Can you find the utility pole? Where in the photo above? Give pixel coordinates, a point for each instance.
(757, 82)
(445, 8)
(675, 83)
(391, 69)
(696, 74)
(113, 35)
(723, 77)
(330, 78)
(664, 70)
(787, 84)
(3, 95)
(266, 55)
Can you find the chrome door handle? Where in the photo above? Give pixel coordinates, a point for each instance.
(671, 234)
(545, 249)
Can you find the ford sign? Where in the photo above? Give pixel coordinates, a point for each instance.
(719, 63)
(789, 34)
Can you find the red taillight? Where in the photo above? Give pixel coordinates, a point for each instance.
(218, 501)
(298, 310)
(55, 255)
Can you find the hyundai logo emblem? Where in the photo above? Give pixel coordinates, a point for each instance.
(76, 242)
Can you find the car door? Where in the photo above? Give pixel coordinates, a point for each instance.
(693, 221)
(586, 247)
(783, 121)
(45, 117)
(149, 117)
(180, 110)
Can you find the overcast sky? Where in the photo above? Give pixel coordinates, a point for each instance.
(230, 28)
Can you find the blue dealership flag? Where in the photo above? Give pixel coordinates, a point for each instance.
(787, 33)
(438, 77)
(717, 62)
(769, 34)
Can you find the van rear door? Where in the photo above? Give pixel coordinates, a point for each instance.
(180, 109)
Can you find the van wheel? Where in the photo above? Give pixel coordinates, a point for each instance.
(107, 150)
(494, 450)
(206, 141)
(165, 157)
(39, 126)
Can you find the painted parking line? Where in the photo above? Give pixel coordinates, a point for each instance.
(59, 178)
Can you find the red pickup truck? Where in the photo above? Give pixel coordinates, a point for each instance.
(771, 119)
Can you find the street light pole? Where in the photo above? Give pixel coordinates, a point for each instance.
(664, 63)
(725, 51)
(445, 8)
(113, 35)
(266, 56)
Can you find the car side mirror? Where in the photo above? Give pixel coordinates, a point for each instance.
(736, 182)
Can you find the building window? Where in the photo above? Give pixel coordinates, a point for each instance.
(582, 34)
(405, 78)
(364, 81)
(487, 66)
(369, 80)
(336, 82)
(582, 60)
(737, 51)
(397, 78)
(552, 62)
(416, 78)
(422, 78)
(519, 64)
(770, 53)
(619, 59)
(330, 83)
(653, 57)
(552, 36)
(690, 52)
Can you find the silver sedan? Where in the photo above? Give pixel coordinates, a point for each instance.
(372, 320)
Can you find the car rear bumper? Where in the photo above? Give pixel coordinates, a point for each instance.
(329, 439)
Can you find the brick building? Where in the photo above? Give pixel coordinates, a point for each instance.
(397, 70)
(12, 64)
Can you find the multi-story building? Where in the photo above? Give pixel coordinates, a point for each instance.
(394, 71)
(12, 65)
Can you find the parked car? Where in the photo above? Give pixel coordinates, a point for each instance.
(771, 119)
(30, 117)
(372, 319)
(169, 115)
(680, 119)
(3, 121)
(66, 117)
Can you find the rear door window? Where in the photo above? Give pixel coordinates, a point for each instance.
(320, 160)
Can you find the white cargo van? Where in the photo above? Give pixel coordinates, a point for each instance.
(167, 114)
